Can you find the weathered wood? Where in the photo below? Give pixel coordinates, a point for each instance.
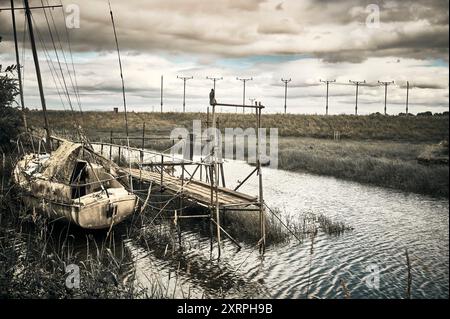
(222, 173)
(197, 191)
(245, 179)
(110, 144)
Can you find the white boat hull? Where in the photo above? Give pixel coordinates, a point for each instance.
(103, 213)
(91, 204)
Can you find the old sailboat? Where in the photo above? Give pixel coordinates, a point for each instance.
(75, 183)
(71, 181)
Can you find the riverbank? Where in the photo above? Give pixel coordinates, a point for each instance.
(376, 150)
(382, 163)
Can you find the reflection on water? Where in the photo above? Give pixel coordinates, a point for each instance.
(385, 222)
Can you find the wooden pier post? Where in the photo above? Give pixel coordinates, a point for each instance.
(143, 136)
(215, 178)
(110, 144)
(162, 171)
(222, 174)
(261, 199)
(211, 208)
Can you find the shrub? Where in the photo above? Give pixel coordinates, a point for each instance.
(10, 119)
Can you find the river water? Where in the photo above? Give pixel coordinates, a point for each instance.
(369, 260)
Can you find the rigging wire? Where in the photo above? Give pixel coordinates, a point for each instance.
(123, 85)
(71, 56)
(120, 67)
(57, 57)
(50, 64)
(25, 31)
(64, 57)
(75, 120)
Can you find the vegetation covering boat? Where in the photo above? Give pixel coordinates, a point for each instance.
(75, 183)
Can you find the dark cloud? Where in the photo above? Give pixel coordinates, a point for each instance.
(423, 85)
(409, 29)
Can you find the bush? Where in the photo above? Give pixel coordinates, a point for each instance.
(10, 118)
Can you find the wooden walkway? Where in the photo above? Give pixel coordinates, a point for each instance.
(197, 191)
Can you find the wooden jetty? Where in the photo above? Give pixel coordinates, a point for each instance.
(195, 190)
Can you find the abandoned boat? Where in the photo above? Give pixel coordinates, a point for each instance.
(75, 183)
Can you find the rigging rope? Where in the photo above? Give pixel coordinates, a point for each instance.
(49, 63)
(79, 130)
(57, 58)
(71, 56)
(25, 31)
(123, 87)
(64, 56)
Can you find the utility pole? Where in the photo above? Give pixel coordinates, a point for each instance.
(385, 93)
(162, 85)
(407, 97)
(214, 80)
(327, 82)
(357, 83)
(19, 69)
(184, 78)
(243, 96)
(252, 101)
(285, 92)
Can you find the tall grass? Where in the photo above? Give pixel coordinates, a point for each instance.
(279, 227)
(393, 173)
(433, 128)
(34, 254)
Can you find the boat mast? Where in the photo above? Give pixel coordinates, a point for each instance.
(19, 69)
(38, 72)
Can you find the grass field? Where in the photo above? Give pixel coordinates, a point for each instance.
(377, 150)
(411, 128)
(383, 163)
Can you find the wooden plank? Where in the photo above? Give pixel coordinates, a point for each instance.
(196, 190)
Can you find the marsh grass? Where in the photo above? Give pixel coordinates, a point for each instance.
(408, 128)
(121, 160)
(388, 164)
(280, 228)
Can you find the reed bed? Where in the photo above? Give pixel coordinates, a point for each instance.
(377, 127)
(281, 228)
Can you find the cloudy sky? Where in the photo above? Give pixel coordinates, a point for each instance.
(305, 40)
